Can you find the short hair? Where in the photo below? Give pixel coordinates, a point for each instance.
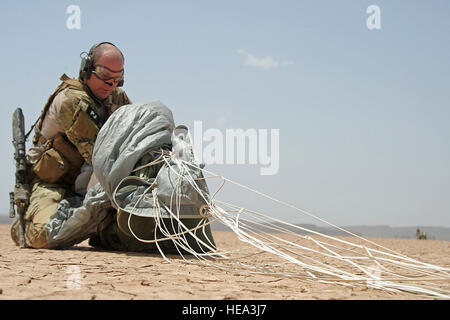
(105, 47)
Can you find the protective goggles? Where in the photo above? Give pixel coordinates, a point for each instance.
(105, 74)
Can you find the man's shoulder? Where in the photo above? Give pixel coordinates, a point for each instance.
(68, 102)
(70, 98)
(119, 97)
(77, 93)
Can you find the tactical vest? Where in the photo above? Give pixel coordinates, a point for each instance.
(64, 154)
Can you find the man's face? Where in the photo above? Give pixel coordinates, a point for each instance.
(109, 65)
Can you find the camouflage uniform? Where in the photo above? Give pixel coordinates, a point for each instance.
(74, 113)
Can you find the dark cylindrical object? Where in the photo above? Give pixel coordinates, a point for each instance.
(19, 144)
(12, 211)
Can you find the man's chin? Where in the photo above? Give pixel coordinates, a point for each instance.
(103, 95)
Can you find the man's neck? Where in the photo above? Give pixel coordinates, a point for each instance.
(93, 96)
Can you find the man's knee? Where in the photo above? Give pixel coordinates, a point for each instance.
(35, 235)
(43, 203)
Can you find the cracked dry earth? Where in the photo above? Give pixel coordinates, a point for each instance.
(82, 272)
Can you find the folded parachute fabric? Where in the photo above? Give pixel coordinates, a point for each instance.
(132, 134)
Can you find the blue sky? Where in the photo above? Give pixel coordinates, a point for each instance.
(363, 114)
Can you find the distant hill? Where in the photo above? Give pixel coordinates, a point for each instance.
(381, 231)
(433, 233)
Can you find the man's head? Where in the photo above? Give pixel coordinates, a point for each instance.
(106, 71)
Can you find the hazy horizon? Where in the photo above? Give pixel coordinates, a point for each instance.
(362, 113)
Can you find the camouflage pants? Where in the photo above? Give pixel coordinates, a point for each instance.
(112, 233)
(43, 201)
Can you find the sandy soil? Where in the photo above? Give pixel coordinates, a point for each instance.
(84, 273)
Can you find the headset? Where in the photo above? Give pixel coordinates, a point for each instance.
(87, 62)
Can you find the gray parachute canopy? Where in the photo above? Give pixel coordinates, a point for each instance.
(130, 134)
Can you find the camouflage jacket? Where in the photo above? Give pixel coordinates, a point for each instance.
(73, 111)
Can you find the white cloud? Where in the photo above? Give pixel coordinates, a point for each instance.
(265, 63)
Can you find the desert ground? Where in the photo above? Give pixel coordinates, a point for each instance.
(84, 273)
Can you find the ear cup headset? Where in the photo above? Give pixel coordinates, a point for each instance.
(87, 63)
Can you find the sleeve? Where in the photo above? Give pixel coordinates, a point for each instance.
(119, 98)
(125, 98)
(50, 125)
